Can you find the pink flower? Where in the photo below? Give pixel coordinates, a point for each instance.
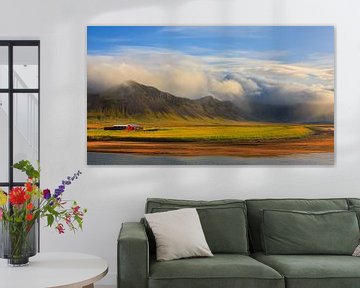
(76, 210)
(68, 219)
(60, 228)
(1, 214)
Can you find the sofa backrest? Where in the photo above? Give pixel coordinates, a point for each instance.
(256, 205)
(353, 202)
(223, 221)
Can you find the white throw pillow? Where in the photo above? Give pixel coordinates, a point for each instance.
(357, 251)
(178, 234)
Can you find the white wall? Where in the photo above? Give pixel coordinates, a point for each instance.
(117, 194)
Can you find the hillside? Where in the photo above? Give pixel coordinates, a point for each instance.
(132, 99)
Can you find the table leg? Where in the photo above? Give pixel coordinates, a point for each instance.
(89, 286)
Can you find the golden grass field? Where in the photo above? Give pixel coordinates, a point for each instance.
(179, 137)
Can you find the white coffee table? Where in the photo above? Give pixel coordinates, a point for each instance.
(60, 270)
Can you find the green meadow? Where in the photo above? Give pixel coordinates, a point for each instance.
(196, 130)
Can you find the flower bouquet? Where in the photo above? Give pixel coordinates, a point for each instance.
(21, 208)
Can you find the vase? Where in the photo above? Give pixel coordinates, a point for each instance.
(18, 242)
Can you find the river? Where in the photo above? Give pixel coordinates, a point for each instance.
(95, 158)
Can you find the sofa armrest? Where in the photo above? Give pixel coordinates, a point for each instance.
(133, 256)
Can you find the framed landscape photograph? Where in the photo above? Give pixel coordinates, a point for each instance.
(210, 95)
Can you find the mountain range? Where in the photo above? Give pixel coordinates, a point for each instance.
(132, 99)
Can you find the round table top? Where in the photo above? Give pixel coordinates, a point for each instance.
(47, 270)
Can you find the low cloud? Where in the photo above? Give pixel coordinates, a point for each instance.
(180, 77)
(226, 88)
(225, 77)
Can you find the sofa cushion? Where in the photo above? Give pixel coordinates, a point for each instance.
(255, 206)
(297, 232)
(353, 201)
(314, 271)
(354, 205)
(178, 234)
(224, 222)
(356, 209)
(222, 270)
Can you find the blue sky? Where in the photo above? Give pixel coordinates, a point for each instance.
(287, 44)
(280, 65)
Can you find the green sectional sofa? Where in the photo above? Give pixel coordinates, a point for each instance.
(234, 230)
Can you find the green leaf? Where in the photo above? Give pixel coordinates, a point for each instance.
(50, 219)
(79, 221)
(26, 167)
(53, 211)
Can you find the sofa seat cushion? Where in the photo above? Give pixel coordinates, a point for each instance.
(222, 270)
(314, 271)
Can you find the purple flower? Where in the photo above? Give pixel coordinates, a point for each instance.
(46, 194)
(58, 192)
(64, 183)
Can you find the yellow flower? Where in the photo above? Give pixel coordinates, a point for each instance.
(3, 198)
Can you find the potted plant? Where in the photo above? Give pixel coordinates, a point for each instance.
(21, 208)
